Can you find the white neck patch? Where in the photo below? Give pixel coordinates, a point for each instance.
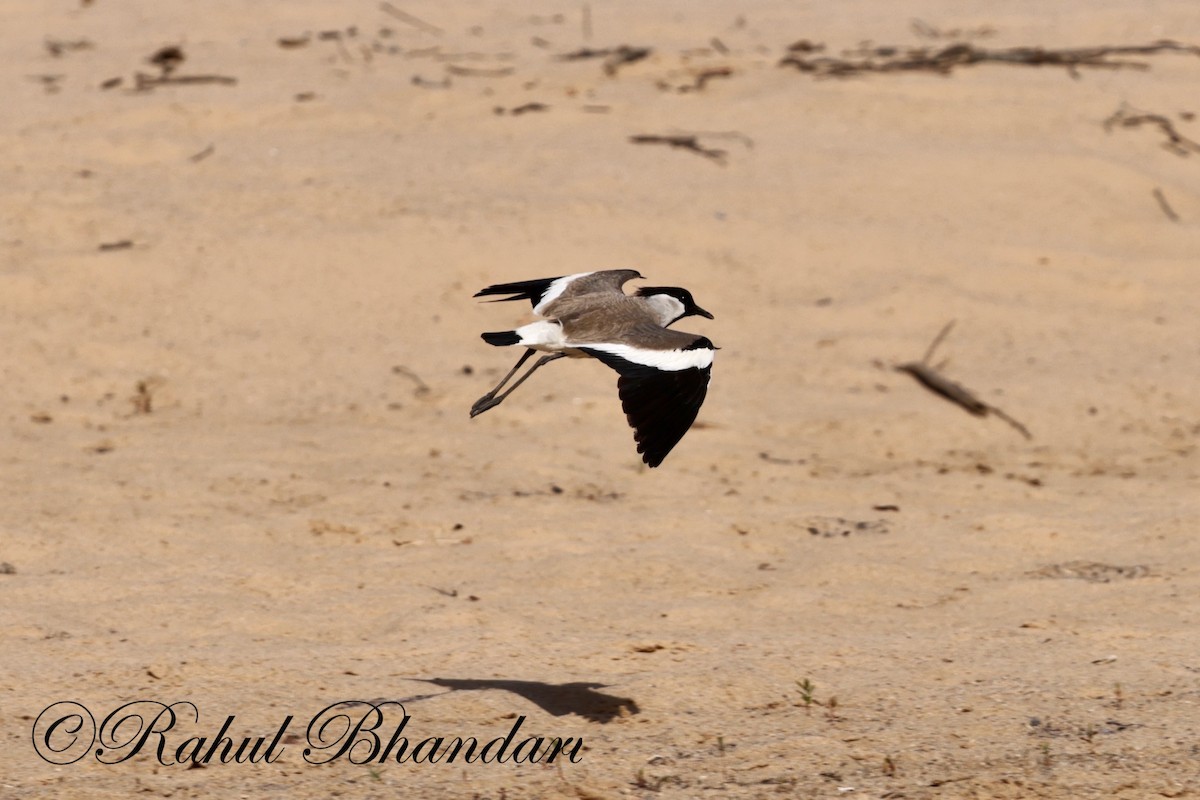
(667, 309)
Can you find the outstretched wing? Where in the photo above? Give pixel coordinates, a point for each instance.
(661, 390)
(542, 292)
(533, 290)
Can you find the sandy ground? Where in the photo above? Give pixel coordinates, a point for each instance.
(238, 469)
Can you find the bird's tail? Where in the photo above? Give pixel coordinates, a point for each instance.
(501, 338)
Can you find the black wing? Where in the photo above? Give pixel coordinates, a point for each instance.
(660, 405)
(533, 290)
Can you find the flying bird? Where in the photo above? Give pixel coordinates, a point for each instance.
(664, 373)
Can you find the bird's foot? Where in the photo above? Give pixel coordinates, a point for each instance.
(489, 400)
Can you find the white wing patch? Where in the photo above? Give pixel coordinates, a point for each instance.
(666, 360)
(543, 335)
(555, 291)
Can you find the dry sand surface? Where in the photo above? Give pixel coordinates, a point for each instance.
(238, 468)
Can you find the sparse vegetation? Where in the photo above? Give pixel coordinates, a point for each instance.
(807, 693)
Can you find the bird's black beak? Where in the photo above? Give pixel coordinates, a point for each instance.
(700, 311)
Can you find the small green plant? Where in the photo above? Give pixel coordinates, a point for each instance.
(807, 694)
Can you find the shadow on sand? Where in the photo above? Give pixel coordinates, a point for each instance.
(557, 699)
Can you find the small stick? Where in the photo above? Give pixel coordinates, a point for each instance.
(290, 42)
(770, 459)
(937, 340)
(404, 16)
(942, 386)
(146, 82)
(624, 55)
(587, 22)
(682, 142)
(425, 83)
(944, 60)
(499, 72)
(1164, 205)
(1176, 142)
(528, 107)
(56, 47)
(614, 57)
(203, 154)
(701, 79)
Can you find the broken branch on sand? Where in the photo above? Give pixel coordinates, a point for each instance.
(526, 108)
(946, 59)
(196, 158)
(1177, 143)
(682, 141)
(699, 80)
(614, 57)
(475, 72)
(144, 82)
(942, 386)
(1164, 205)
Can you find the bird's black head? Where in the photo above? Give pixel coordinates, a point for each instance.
(682, 295)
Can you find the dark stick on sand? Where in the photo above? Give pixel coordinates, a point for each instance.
(945, 60)
(1177, 143)
(683, 142)
(203, 154)
(701, 79)
(1164, 205)
(942, 386)
(144, 82)
(614, 57)
(476, 72)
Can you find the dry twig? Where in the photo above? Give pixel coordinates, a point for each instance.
(145, 83)
(944, 60)
(614, 57)
(196, 158)
(682, 141)
(475, 72)
(700, 79)
(935, 382)
(1177, 143)
(1164, 205)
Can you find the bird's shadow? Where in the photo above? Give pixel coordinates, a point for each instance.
(556, 699)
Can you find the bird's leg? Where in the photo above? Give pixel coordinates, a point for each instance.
(491, 399)
(475, 409)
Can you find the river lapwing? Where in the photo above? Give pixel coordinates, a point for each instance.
(663, 373)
